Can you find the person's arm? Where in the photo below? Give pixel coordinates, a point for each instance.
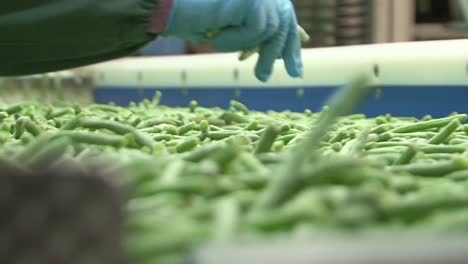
(47, 35)
(39, 36)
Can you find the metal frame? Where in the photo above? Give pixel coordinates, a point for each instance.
(393, 20)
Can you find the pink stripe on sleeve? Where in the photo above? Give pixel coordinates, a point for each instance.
(161, 15)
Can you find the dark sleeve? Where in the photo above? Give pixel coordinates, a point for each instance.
(47, 35)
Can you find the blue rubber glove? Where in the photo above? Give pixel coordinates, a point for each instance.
(245, 24)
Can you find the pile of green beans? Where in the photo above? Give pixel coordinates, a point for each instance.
(199, 174)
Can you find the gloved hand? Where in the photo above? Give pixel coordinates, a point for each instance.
(270, 25)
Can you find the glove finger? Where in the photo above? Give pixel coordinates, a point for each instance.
(292, 55)
(261, 24)
(270, 51)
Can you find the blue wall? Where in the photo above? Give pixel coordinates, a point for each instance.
(414, 101)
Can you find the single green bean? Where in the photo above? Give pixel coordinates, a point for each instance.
(72, 123)
(227, 219)
(231, 117)
(438, 169)
(93, 138)
(426, 125)
(267, 139)
(187, 145)
(445, 132)
(288, 180)
(240, 107)
(118, 128)
(13, 109)
(407, 155)
(458, 175)
(186, 128)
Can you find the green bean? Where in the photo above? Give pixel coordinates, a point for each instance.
(252, 163)
(204, 126)
(72, 123)
(19, 127)
(458, 175)
(270, 158)
(187, 145)
(338, 171)
(389, 158)
(168, 241)
(286, 138)
(157, 98)
(30, 126)
(439, 156)
(380, 129)
(186, 128)
(404, 184)
(226, 221)
(432, 170)
(225, 155)
(92, 138)
(240, 107)
(49, 153)
(287, 182)
(376, 145)
(267, 139)
(457, 141)
(13, 109)
(338, 137)
(135, 122)
(411, 135)
(3, 115)
(407, 155)
(170, 129)
(192, 185)
(413, 207)
(118, 128)
(56, 114)
(355, 147)
(32, 148)
(203, 152)
(252, 125)
(193, 106)
(445, 132)
(426, 125)
(211, 121)
(113, 126)
(219, 135)
(381, 120)
(443, 149)
(356, 215)
(163, 137)
(384, 150)
(230, 117)
(106, 108)
(157, 121)
(278, 146)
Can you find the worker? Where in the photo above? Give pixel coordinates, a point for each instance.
(39, 36)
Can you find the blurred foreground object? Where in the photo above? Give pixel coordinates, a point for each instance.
(370, 250)
(61, 216)
(336, 23)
